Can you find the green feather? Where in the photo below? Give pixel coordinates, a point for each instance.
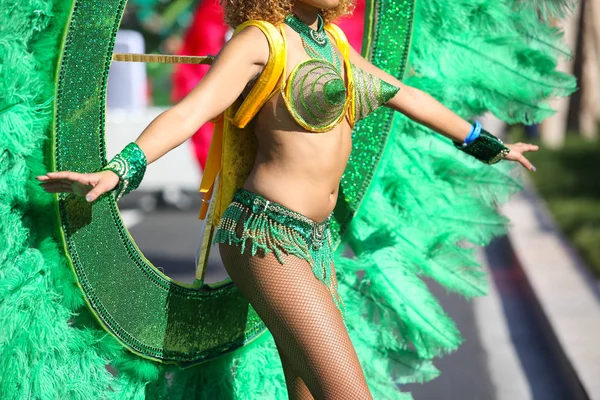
(549, 9)
(428, 206)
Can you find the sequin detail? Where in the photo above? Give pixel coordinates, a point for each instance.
(130, 166)
(251, 220)
(150, 314)
(388, 33)
(315, 42)
(486, 148)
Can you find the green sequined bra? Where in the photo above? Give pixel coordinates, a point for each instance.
(317, 94)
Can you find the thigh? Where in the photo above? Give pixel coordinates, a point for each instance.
(307, 326)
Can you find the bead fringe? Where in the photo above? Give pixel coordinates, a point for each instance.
(263, 233)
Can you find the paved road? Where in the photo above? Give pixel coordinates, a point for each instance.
(506, 356)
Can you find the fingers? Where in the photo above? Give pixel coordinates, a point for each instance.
(91, 185)
(57, 187)
(62, 181)
(101, 188)
(65, 176)
(516, 154)
(525, 147)
(520, 158)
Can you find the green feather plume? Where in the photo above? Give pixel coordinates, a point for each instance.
(428, 207)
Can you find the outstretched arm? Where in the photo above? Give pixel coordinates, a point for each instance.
(242, 58)
(423, 108)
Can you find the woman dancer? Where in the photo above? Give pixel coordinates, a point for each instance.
(292, 188)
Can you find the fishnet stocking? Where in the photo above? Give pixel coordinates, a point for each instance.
(316, 353)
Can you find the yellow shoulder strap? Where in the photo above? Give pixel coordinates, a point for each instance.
(232, 149)
(342, 43)
(269, 80)
(340, 39)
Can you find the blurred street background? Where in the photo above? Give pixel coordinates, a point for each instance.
(536, 336)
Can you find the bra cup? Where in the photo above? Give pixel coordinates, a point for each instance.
(316, 95)
(335, 92)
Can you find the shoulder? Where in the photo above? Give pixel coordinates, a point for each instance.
(251, 40)
(259, 30)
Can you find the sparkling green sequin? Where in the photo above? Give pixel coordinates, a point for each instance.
(146, 311)
(386, 43)
(315, 42)
(486, 148)
(335, 92)
(130, 165)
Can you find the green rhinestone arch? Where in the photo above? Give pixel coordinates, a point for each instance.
(150, 314)
(146, 311)
(386, 43)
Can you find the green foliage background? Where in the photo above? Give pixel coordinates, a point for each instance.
(569, 180)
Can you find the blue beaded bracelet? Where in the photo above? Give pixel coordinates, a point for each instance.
(474, 134)
(486, 148)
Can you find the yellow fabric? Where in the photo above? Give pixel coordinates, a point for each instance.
(271, 77)
(234, 144)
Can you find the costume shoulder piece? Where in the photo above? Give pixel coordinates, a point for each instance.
(368, 91)
(271, 76)
(233, 146)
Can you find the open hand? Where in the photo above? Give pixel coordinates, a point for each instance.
(516, 154)
(90, 186)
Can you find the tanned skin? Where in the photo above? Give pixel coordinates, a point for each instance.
(297, 169)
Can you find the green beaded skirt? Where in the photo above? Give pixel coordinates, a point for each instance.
(258, 225)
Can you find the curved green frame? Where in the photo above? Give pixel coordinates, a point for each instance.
(386, 43)
(150, 314)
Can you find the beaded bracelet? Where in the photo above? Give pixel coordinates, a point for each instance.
(475, 132)
(486, 148)
(130, 166)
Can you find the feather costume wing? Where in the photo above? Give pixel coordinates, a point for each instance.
(403, 215)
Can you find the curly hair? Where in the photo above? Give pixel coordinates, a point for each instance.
(240, 11)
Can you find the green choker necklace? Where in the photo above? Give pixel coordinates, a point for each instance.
(317, 37)
(315, 42)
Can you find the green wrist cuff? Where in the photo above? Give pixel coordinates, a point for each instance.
(130, 166)
(486, 148)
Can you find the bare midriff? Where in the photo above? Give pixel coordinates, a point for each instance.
(295, 168)
(298, 169)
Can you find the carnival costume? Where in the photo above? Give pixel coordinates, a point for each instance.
(318, 98)
(410, 205)
(206, 35)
